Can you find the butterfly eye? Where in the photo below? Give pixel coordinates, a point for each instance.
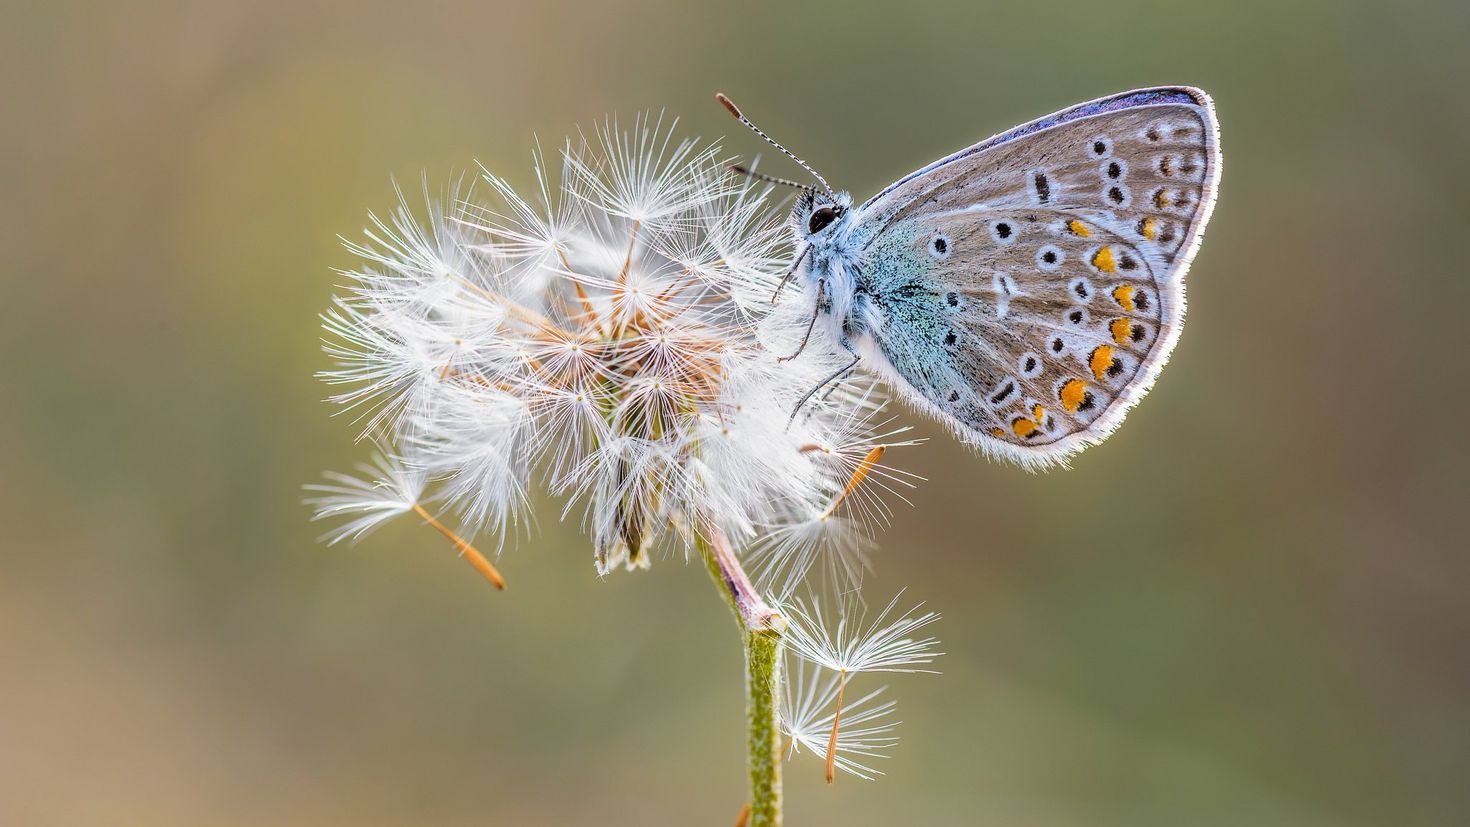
(821, 218)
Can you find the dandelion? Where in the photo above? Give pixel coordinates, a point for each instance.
(850, 647)
(609, 337)
(603, 333)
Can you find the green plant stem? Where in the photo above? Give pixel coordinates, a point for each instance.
(761, 630)
(762, 681)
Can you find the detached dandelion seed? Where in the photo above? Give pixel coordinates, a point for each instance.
(388, 490)
(865, 730)
(848, 647)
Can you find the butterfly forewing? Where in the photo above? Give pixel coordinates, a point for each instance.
(1031, 288)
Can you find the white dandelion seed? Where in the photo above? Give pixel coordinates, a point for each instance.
(473, 443)
(643, 174)
(851, 646)
(786, 552)
(388, 489)
(809, 716)
(837, 526)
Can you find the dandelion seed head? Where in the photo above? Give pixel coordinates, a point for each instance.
(607, 335)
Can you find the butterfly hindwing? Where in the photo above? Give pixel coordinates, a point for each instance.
(1030, 290)
(1022, 326)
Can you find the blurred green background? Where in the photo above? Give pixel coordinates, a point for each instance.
(1246, 608)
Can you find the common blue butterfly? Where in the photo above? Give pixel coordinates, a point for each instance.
(1025, 291)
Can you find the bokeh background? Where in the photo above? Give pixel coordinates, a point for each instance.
(1247, 607)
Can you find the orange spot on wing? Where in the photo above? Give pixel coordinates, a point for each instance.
(1078, 228)
(1161, 199)
(1123, 295)
(1121, 329)
(1101, 360)
(1029, 427)
(1074, 391)
(1150, 228)
(997, 432)
(1104, 262)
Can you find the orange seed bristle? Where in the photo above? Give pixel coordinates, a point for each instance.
(476, 559)
(863, 469)
(836, 723)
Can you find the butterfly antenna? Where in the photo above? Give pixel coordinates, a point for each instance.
(735, 110)
(770, 179)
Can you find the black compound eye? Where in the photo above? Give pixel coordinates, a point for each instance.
(821, 218)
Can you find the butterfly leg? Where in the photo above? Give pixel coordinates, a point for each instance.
(816, 310)
(790, 273)
(841, 372)
(837, 383)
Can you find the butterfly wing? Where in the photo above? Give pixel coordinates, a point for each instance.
(1029, 289)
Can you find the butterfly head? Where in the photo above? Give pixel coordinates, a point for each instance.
(818, 216)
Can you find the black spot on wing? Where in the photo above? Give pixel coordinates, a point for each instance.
(1003, 392)
(1042, 185)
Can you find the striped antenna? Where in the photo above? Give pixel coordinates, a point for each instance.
(770, 179)
(735, 110)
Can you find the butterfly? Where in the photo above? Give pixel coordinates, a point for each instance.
(1025, 291)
